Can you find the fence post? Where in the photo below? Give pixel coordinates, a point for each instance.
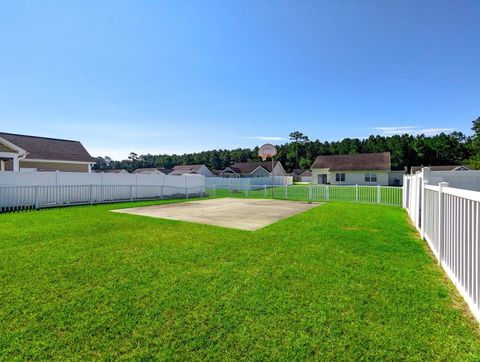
(131, 192)
(356, 193)
(265, 191)
(91, 194)
(37, 203)
(230, 189)
(161, 191)
(327, 192)
(286, 192)
(215, 190)
(186, 192)
(441, 229)
(310, 193)
(422, 210)
(379, 194)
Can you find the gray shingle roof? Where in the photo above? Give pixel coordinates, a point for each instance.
(249, 167)
(356, 162)
(181, 169)
(44, 148)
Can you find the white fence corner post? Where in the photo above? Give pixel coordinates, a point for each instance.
(161, 191)
(131, 192)
(441, 224)
(310, 192)
(379, 194)
(37, 201)
(286, 191)
(356, 193)
(186, 192)
(327, 192)
(265, 191)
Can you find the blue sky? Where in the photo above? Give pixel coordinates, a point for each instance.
(182, 76)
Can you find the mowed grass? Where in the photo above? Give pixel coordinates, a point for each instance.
(342, 281)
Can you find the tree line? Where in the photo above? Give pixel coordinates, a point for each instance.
(406, 150)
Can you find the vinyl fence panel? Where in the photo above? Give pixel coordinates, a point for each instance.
(450, 223)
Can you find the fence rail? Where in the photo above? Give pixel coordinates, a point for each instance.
(365, 194)
(15, 198)
(449, 220)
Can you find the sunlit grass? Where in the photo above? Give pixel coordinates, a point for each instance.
(342, 281)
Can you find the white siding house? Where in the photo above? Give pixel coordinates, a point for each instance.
(254, 169)
(358, 169)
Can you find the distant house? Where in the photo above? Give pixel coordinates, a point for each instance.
(415, 169)
(254, 169)
(33, 153)
(191, 169)
(357, 169)
(153, 170)
(116, 171)
(302, 175)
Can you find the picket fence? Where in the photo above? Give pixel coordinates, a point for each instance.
(449, 220)
(385, 195)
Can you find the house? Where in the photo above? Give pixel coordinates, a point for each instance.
(152, 171)
(357, 169)
(302, 175)
(116, 171)
(254, 169)
(33, 153)
(415, 169)
(191, 169)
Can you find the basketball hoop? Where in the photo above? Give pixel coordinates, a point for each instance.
(266, 151)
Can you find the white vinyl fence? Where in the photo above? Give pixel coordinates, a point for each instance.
(449, 220)
(254, 182)
(364, 194)
(50, 189)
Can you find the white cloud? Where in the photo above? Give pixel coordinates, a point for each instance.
(395, 130)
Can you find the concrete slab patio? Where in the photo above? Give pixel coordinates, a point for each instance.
(245, 214)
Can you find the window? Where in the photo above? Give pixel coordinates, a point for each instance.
(370, 177)
(340, 177)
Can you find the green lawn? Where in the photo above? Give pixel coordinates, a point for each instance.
(343, 281)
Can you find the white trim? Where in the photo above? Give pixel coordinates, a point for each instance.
(57, 161)
(8, 154)
(229, 168)
(9, 144)
(260, 167)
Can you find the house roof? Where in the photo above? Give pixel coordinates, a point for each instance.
(414, 169)
(118, 170)
(149, 170)
(249, 167)
(356, 162)
(44, 148)
(181, 169)
(299, 172)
